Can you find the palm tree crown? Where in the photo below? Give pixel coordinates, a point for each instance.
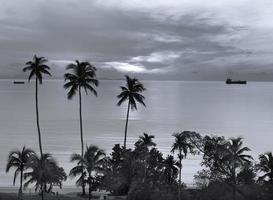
(83, 76)
(182, 144)
(237, 152)
(92, 161)
(266, 166)
(146, 141)
(18, 160)
(37, 67)
(132, 92)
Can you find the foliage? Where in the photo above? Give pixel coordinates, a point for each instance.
(89, 168)
(83, 75)
(44, 173)
(265, 165)
(131, 92)
(37, 68)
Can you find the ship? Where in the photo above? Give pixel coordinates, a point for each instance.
(230, 81)
(18, 82)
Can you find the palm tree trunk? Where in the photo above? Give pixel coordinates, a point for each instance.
(90, 189)
(145, 167)
(21, 185)
(37, 116)
(126, 125)
(42, 192)
(81, 133)
(234, 182)
(81, 129)
(180, 174)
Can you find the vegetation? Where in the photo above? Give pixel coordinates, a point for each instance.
(143, 172)
(83, 76)
(91, 164)
(37, 68)
(131, 92)
(18, 159)
(44, 173)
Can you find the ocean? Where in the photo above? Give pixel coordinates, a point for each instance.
(212, 108)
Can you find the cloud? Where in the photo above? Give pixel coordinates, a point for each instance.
(171, 39)
(157, 57)
(128, 67)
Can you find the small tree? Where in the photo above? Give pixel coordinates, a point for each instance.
(18, 159)
(44, 173)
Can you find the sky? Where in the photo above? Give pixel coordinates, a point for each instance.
(150, 39)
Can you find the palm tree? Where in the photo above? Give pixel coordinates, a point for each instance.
(37, 68)
(183, 145)
(266, 166)
(131, 92)
(145, 141)
(44, 173)
(170, 169)
(237, 158)
(83, 76)
(91, 163)
(18, 159)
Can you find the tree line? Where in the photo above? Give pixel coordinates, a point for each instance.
(142, 172)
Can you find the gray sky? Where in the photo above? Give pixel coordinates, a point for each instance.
(154, 39)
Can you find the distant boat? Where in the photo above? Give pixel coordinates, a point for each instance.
(18, 82)
(230, 81)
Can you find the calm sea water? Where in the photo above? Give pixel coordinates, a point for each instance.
(205, 107)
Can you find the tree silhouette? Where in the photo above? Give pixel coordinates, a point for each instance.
(145, 141)
(91, 163)
(44, 173)
(18, 159)
(266, 166)
(37, 68)
(170, 169)
(131, 92)
(237, 158)
(183, 145)
(83, 76)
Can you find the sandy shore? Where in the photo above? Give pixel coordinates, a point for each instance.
(67, 193)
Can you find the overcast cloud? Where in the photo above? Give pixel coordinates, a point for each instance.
(170, 39)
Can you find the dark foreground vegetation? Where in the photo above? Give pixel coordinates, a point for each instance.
(142, 172)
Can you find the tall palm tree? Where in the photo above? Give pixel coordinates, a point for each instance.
(237, 157)
(183, 145)
(18, 159)
(131, 92)
(37, 68)
(266, 166)
(83, 76)
(91, 163)
(44, 173)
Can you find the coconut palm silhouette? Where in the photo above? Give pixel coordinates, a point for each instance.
(82, 77)
(18, 159)
(44, 173)
(131, 92)
(237, 157)
(183, 145)
(91, 163)
(266, 166)
(37, 67)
